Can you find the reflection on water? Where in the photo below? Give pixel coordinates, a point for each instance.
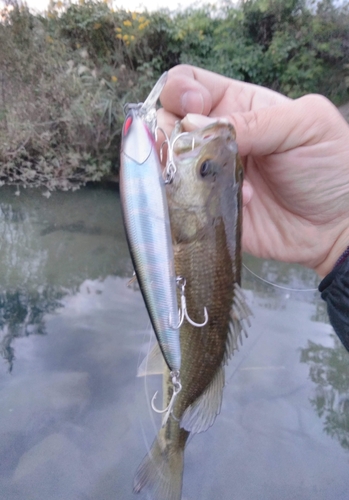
(74, 419)
(329, 370)
(22, 313)
(47, 251)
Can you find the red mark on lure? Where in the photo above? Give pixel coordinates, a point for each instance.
(127, 124)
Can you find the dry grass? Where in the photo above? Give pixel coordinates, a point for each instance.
(60, 116)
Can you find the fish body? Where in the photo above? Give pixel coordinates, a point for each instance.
(147, 225)
(206, 221)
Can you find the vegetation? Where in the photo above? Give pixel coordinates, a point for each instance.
(329, 370)
(66, 74)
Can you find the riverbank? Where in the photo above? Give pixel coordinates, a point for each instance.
(66, 75)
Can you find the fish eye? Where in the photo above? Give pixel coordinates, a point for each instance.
(206, 168)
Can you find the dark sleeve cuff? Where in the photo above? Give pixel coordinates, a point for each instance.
(334, 290)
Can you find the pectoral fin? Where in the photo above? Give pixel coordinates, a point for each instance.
(153, 363)
(132, 281)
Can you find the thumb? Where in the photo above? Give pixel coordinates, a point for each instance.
(274, 129)
(258, 133)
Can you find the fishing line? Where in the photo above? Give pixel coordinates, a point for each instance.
(148, 333)
(146, 441)
(280, 286)
(146, 388)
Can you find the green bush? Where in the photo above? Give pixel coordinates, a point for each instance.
(66, 75)
(281, 44)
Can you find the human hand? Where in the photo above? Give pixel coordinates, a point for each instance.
(296, 158)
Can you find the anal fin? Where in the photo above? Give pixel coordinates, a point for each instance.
(201, 414)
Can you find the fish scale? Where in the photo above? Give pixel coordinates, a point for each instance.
(197, 344)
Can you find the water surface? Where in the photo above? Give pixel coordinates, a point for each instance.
(74, 419)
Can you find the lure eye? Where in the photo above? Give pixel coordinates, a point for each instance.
(206, 168)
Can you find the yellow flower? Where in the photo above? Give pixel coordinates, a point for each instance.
(134, 16)
(78, 45)
(143, 25)
(125, 37)
(96, 26)
(81, 2)
(119, 35)
(127, 23)
(118, 29)
(132, 37)
(141, 19)
(59, 4)
(114, 78)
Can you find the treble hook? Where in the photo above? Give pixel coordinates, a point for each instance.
(169, 172)
(171, 169)
(157, 129)
(177, 387)
(166, 141)
(184, 311)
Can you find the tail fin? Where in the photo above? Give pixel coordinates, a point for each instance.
(161, 471)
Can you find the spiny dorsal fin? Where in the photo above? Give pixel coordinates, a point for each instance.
(240, 314)
(200, 415)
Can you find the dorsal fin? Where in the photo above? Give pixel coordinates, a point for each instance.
(240, 314)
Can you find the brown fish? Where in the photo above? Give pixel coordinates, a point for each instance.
(206, 223)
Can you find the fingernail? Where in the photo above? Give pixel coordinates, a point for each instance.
(203, 121)
(247, 193)
(192, 102)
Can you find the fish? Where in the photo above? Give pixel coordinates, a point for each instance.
(147, 224)
(205, 207)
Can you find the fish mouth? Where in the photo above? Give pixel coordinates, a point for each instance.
(188, 144)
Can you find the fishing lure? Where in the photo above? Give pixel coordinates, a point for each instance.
(147, 226)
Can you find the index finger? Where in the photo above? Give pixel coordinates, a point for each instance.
(195, 90)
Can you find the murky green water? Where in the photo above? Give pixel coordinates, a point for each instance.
(74, 419)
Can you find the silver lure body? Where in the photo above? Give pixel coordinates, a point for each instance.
(147, 224)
